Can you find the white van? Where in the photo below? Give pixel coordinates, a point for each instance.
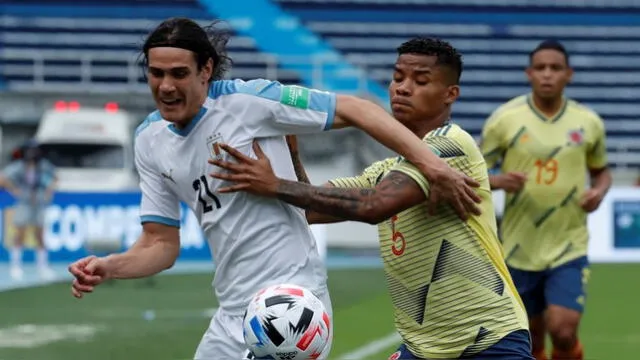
(92, 148)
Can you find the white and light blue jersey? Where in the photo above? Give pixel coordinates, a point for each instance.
(254, 241)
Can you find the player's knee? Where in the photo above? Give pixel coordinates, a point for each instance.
(563, 336)
(562, 324)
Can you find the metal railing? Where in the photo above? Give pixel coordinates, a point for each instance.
(87, 67)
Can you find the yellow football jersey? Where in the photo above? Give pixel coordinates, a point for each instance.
(543, 224)
(450, 287)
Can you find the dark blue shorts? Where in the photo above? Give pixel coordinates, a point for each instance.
(515, 346)
(564, 285)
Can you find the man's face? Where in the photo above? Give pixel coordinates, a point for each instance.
(549, 73)
(419, 89)
(178, 88)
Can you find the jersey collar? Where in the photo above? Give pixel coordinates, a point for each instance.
(187, 129)
(544, 117)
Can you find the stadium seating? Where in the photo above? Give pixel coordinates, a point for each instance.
(63, 45)
(606, 58)
(82, 46)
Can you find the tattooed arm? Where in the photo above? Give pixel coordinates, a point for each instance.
(395, 193)
(301, 174)
(312, 216)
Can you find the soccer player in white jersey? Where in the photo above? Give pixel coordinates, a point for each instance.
(255, 242)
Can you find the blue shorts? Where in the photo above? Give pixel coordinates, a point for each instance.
(515, 346)
(564, 285)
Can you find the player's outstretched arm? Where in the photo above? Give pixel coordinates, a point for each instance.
(312, 216)
(300, 110)
(395, 193)
(315, 217)
(156, 250)
(447, 184)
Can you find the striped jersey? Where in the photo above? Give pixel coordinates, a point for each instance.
(451, 291)
(543, 224)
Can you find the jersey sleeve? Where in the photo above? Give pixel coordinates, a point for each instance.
(158, 204)
(597, 152)
(450, 145)
(369, 177)
(492, 143)
(268, 108)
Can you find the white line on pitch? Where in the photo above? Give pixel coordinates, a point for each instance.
(372, 348)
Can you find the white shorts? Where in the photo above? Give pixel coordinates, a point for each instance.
(26, 214)
(224, 338)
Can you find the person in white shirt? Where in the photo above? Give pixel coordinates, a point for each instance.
(255, 242)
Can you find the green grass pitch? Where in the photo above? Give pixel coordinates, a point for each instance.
(46, 323)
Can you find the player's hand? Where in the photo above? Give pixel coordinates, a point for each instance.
(512, 181)
(251, 175)
(88, 272)
(591, 200)
(453, 187)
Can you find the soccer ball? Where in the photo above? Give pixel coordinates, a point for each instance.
(286, 322)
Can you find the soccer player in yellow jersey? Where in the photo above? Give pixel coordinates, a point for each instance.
(546, 145)
(452, 294)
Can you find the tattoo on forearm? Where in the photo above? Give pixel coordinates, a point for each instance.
(301, 174)
(347, 203)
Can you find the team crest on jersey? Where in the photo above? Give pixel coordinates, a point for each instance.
(395, 355)
(213, 145)
(575, 137)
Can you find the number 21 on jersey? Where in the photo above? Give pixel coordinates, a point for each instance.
(201, 185)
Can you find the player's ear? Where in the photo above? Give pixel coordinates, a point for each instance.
(529, 72)
(569, 75)
(207, 70)
(453, 92)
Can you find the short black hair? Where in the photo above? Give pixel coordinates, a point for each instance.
(208, 42)
(446, 54)
(549, 45)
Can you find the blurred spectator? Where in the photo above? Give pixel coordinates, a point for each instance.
(31, 180)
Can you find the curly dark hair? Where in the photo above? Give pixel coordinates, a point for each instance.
(208, 42)
(447, 56)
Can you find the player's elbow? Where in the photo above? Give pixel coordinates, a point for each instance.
(374, 213)
(375, 219)
(173, 251)
(164, 240)
(348, 109)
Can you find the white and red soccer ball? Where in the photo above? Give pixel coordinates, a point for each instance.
(286, 322)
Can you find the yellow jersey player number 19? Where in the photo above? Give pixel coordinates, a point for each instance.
(545, 145)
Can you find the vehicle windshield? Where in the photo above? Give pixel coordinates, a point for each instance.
(89, 156)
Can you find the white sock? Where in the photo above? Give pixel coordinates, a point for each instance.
(42, 258)
(16, 257)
